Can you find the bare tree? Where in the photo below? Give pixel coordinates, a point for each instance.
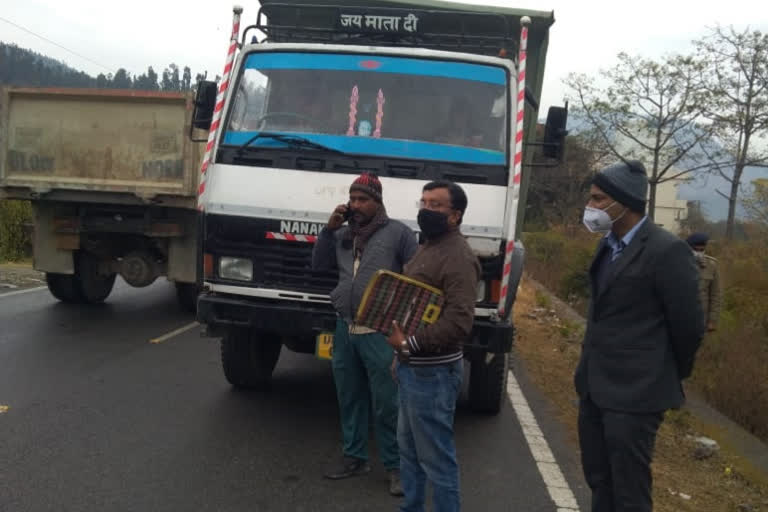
(756, 203)
(734, 73)
(557, 194)
(647, 110)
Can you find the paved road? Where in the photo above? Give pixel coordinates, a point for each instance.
(100, 419)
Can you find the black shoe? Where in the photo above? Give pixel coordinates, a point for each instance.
(395, 485)
(347, 467)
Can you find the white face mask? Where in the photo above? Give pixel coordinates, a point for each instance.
(598, 221)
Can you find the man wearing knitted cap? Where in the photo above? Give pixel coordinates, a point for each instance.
(361, 357)
(644, 327)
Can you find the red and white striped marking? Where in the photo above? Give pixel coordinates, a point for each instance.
(272, 235)
(514, 179)
(220, 99)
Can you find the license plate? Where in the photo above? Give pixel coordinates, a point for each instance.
(324, 346)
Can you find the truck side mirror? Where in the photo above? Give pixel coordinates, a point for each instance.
(555, 132)
(205, 102)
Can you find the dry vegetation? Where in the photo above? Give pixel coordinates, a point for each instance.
(732, 366)
(549, 344)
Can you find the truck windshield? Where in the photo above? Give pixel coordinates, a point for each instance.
(374, 105)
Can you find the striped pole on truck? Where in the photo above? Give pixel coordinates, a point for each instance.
(513, 185)
(221, 96)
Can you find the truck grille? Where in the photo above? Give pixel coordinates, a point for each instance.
(288, 265)
(277, 264)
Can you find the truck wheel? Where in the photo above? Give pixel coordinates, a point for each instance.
(93, 287)
(186, 295)
(248, 358)
(488, 383)
(63, 287)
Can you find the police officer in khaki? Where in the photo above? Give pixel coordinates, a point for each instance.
(709, 279)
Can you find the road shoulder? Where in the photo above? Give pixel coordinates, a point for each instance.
(548, 347)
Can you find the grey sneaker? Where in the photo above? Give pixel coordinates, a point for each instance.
(395, 484)
(347, 467)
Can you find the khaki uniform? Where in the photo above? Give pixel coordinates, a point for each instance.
(709, 289)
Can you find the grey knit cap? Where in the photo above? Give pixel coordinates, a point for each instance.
(626, 182)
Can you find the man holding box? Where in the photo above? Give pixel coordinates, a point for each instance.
(429, 372)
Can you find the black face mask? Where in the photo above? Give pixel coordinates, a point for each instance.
(432, 223)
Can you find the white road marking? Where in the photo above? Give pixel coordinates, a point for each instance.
(558, 488)
(20, 292)
(176, 332)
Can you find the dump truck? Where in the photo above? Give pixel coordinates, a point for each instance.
(313, 94)
(112, 179)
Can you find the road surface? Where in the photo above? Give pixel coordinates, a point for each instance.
(123, 407)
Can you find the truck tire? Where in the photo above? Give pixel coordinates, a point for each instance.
(92, 286)
(248, 358)
(488, 383)
(63, 287)
(186, 295)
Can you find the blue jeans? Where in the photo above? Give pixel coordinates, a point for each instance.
(425, 435)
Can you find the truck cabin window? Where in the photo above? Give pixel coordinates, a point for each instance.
(388, 106)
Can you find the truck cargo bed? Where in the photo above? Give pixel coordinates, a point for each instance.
(79, 144)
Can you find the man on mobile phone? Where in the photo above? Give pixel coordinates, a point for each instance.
(361, 361)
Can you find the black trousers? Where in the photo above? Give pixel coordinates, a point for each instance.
(616, 453)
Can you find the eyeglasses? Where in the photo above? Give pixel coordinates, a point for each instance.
(433, 205)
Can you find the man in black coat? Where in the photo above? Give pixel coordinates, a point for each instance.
(644, 327)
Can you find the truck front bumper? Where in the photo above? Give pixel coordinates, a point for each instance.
(292, 319)
(303, 321)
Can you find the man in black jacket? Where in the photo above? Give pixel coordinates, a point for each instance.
(644, 327)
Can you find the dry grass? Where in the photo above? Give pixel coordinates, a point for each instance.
(732, 367)
(732, 373)
(550, 348)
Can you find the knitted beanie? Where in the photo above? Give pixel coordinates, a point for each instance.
(626, 182)
(369, 184)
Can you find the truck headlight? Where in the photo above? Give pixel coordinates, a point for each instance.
(237, 269)
(481, 291)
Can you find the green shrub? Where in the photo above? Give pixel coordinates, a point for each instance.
(15, 241)
(575, 279)
(561, 263)
(543, 300)
(545, 247)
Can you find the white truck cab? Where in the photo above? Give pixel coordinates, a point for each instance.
(408, 91)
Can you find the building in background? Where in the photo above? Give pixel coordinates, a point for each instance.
(670, 210)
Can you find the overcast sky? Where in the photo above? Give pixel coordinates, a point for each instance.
(586, 36)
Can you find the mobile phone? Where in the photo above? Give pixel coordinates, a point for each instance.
(347, 213)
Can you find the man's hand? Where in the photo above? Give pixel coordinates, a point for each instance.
(396, 338)
(393, 369)
(337, 217)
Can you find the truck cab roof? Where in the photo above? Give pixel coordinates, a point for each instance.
(448, 26)
(540, 19)
(440, 25)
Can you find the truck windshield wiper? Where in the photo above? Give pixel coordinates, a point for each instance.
(294, 141)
